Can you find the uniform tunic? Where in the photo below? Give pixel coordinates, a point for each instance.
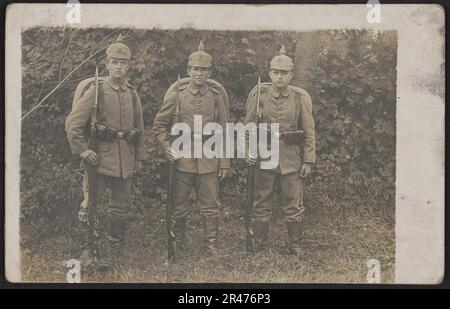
(198, 173)
(203, 101)
(115, 158)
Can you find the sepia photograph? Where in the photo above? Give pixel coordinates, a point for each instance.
(231, 150)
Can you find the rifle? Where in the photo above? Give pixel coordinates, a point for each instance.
(170, 222)
(92, 174)
(251, 180)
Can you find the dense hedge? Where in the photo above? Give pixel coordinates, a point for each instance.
(352, 83)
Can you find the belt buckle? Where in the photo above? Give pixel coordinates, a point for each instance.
(120, 134)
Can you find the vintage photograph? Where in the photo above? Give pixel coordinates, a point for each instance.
(106, 195)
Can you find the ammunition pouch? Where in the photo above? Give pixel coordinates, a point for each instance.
(101, 131)
(109, 133)
(289, 137)
(132, 135)
(293, 137)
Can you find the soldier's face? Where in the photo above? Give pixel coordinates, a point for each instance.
(117, 68)
(199, 75)
(280, 78)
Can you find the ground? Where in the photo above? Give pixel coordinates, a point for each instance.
(338, 241)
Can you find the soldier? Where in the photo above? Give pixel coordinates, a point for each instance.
(291, 108)
(197, 96)
(120, 148)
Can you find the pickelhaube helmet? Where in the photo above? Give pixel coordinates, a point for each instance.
(200, 58)
(281, 61)
(118, 50)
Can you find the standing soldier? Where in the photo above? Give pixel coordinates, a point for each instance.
(291, 108)
(120, 149)
(194, 96)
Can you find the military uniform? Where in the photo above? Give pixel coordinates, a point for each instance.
(119, 114)
(200, 173)
(292, 110)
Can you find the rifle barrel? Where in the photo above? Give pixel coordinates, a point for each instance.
(251, 181)
(92, 172)
(171, 242)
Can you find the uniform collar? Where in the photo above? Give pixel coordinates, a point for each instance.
(194, 90)
(275, 93)
(115, 87)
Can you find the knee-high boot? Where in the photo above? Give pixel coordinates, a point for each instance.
(261, 229)
(211, 230)
(295, 232)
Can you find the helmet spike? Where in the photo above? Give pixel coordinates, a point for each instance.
(282, 50)
(201, 47)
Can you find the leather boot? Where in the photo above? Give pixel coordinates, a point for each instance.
(261, 229)
(211, 230)
(179, 230)
(295, 231)
(114, 246)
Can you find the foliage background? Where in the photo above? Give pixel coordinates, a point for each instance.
(350, 75)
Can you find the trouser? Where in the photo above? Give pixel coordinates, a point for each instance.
(291, 186)
(117, 212)
(207, 187)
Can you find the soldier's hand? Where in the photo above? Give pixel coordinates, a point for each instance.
(171, 155)
(250, 161)
(305, 170)
(138, 166)
(90, 157)
(223, 172)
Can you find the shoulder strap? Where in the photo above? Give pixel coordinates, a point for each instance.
(298, 90)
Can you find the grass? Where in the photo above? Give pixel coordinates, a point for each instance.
(339, 239)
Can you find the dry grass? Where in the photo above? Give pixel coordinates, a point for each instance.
(339, 240)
